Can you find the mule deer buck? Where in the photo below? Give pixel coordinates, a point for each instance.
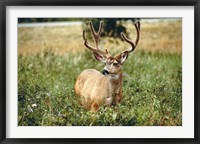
(103, 88)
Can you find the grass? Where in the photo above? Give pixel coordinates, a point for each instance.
(152, 91)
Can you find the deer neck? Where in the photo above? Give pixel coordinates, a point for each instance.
(115, 79)
(115, 84)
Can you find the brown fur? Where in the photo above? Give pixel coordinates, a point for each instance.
(96, 89)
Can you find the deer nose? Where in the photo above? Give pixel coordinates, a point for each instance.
(105, 72)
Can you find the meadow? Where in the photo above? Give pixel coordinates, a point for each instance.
(51, 58)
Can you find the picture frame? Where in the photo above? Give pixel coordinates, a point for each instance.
(3, 106)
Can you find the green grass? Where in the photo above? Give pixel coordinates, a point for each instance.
(152, 91)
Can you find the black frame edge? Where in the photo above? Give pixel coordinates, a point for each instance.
(101, 2)
(4, 3)
(100, 141)
(197, 70)
(3, 72)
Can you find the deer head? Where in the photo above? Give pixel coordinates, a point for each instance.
(112, 63)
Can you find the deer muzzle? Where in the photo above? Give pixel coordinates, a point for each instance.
(105, 72)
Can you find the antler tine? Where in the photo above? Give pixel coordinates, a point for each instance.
(96, 35)
(137, 26)
(133, 45)
(84, 38)
(96, 39)
(89, 46)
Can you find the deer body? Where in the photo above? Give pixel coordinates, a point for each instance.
(97, 88)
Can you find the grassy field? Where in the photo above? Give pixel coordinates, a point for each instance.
(51, 58)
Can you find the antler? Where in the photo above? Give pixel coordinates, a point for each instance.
(137, 26)
(96, 36)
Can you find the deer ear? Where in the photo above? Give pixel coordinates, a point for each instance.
(99, 57)
(123, 56)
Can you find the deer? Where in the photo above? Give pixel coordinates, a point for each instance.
(105, 88)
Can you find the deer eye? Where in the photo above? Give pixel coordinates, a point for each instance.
(116, 64)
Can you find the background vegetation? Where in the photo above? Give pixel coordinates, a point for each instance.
(51, 58)
(34, 20)
(112, 27)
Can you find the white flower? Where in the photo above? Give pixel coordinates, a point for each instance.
(29, 108)
(34, 105)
